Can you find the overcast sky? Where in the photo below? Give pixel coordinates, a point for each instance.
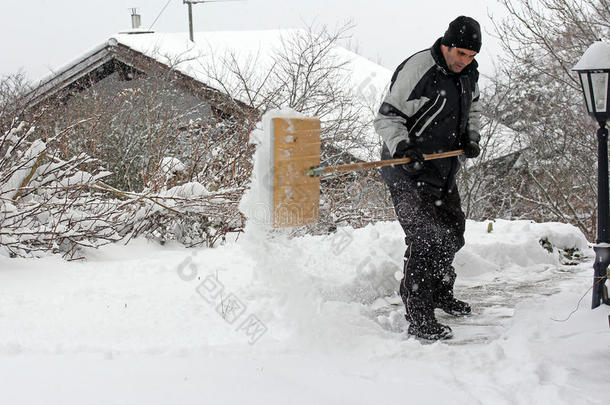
(39, 36)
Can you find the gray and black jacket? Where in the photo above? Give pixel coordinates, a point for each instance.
(432, 109)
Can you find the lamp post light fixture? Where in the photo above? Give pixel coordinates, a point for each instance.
(593, 69)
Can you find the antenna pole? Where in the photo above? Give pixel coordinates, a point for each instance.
(190, 4)
(191, 21)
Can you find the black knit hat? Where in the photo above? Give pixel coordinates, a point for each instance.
(463, 32)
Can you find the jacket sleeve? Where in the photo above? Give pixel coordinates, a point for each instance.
(474, 116)
(399, 105)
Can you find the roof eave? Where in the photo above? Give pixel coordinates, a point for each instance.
(71, 73)
(108, 51)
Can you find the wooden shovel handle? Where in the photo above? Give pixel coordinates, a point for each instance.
(319, 171)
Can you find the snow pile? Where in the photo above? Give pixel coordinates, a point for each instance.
(516, 243)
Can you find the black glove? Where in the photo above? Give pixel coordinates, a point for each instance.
(472, 149)
(404, 150)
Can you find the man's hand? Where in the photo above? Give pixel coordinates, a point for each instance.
(471, 149)
(404, 150)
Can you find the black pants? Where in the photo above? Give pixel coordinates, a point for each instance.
(434, 232)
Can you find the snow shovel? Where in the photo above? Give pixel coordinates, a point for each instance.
(296, 170)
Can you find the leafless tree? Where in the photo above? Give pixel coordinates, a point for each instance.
(535, 95)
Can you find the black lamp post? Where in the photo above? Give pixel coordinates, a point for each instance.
(594, 72)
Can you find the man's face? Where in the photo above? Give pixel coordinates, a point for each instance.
(457, 58)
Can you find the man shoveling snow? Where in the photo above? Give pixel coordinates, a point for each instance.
(432, 106)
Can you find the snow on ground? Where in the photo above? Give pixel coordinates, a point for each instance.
(301, 321)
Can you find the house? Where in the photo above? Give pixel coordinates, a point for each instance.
(214, 68)
(147, 96)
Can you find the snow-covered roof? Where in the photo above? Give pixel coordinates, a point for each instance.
(252, 50)
(502, 141)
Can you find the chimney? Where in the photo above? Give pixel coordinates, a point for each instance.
(135, 19)
(136, 22)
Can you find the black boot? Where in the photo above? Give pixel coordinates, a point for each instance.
(431, 330)
(423, 324)
(443, 295)
(454, 307)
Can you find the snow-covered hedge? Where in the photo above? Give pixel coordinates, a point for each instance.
(52, 205)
